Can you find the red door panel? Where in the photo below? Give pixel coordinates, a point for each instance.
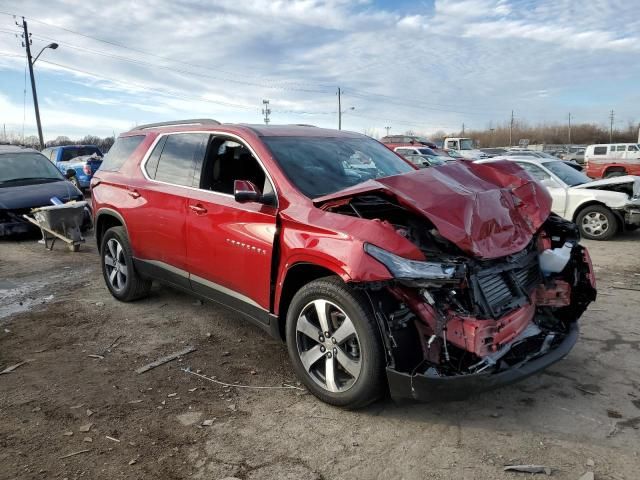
(230, 244)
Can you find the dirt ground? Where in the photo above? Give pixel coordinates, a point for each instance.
(581, 415)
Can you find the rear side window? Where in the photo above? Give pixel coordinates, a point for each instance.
(152, 163)
(120, 152)
(600, 150)
(622, 148)
(179, 155)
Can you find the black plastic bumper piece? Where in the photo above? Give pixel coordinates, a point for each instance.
(433, 388)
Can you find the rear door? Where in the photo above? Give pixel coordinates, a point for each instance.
(229, 243)
(557, 191)
(160, 222)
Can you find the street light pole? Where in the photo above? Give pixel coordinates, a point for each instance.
(27, 43)
(31, 61)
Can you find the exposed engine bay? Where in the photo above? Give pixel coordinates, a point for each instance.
(455, 314)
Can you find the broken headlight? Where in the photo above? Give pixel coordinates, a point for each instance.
(403, 268)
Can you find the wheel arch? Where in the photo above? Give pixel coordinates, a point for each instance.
(297, 276)
(613, 169)
(107, 218)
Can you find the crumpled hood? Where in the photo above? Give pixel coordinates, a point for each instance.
(487, 210)
(31, 196)
(599, 184)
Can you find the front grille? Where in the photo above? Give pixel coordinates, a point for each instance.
(503, 286)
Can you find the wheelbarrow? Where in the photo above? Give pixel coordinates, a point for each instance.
(60, 222)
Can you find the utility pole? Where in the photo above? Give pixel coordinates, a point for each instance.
(27, 45)
(339, 109)
(511, 130)
(611, 117)
(569, 128)
(388, 129)
(266, 111)
(463, 129)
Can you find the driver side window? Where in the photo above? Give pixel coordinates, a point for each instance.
(226, 161)
(536, 172)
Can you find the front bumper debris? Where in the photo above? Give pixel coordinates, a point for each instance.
(15, 228)
(432, 387)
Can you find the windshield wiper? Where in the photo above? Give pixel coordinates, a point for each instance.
(11, 180)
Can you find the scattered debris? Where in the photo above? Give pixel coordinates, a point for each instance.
(588, 476)
(626, 288)
(36, 409)
(87, 439)
(67, 434)
(108, 349)
(528, 469)
(77, 406)
(253, 372)
(590, 462)
(13, 367)
(208, 423)
(171, 395)
(585, 389)
(85, 428)
(112, 439)
(193, 389)
(163, 360)
(95, 355)
(74, 453)
(99, 304)
(236, 385)
(136, 401)
(611, 413)
(132, 462)
(89, 412)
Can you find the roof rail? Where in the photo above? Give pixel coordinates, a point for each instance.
(176, 123)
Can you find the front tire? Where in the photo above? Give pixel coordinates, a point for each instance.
(334, 344)
(597, 222)
(120, 276)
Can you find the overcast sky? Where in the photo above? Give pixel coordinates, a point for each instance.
(412, 65)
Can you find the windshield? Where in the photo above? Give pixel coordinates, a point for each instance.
(26, 166)
(466, 144)
(454, 154)
(567, 174)
(320, 166)
(69, 153)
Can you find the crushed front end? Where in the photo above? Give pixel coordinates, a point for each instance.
(457, 325)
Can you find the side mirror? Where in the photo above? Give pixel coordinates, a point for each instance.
(245, 191)
(70, 173)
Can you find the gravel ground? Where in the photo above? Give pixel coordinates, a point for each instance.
(581, 415)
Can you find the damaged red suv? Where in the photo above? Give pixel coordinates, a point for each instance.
(428, 283)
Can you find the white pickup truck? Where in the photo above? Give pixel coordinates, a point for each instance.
(465, 147)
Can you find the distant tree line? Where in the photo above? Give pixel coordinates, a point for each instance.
(104, 144)
(546, 133)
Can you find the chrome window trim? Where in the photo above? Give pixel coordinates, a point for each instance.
(145, 159)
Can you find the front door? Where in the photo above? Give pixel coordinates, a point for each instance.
(230, 244)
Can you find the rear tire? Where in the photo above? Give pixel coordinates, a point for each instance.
(597, 222)
(120, 275)
(616, 173)
(346, 367)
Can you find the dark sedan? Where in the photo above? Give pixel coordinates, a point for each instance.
(28, 180)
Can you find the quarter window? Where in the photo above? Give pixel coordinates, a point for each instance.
(178, 157)
(152, 163)
(621, 148)
(119, 152)
(600, 150)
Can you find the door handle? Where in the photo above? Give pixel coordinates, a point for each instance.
(198, 209)
(133, 193)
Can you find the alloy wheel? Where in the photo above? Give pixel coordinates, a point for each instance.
(328, 346)
(595, 224)
(116, 265)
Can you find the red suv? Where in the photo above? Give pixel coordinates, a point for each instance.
(430, 283)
